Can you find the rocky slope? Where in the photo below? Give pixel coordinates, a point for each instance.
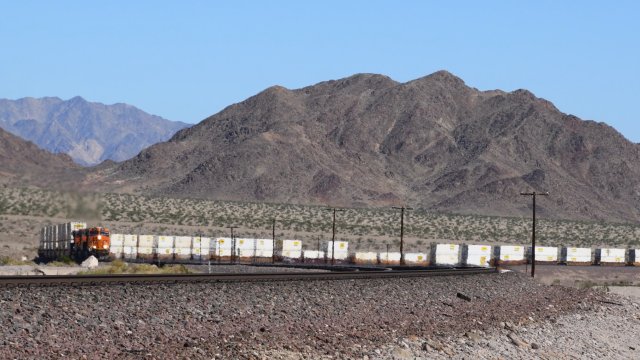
(23, 163)
(367, 140)
(88, 132)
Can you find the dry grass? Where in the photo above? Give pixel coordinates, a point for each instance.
(26, 210)
(121, 267)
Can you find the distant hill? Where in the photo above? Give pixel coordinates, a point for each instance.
(89, 132)
(367, 140)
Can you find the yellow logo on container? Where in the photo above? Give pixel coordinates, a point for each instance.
(419, 257)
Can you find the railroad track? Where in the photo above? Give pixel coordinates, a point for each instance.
(55, 280)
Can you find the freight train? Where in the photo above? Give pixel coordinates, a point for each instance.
(78, 241)
(74, 240)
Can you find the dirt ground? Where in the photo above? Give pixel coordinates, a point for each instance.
(583, 276)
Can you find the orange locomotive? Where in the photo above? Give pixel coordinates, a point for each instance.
(91, 241)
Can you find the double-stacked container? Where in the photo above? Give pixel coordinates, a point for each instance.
(341, 251)
(165, 248)
(116, 250)
(182, 246)
(222, 249)
(264, 250)
(245, 249)
(130, 248)
(289, 249)
(200, 248)
(146, 247)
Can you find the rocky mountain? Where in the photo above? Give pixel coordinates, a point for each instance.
(89, 132)
(23, 163)
(367, 140)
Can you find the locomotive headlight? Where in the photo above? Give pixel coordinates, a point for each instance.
(95, 247)
(99, 237)
(104, 246)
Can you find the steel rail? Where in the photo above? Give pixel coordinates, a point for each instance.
(236, 277)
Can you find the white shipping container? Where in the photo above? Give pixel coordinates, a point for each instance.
(165, 245)
(291, 245)
(341, 248)
(146, 241)
(130, 251)
(579, 255)
(612, 255)
(478, 255)
(546, 253)
(293, 254)
(131, 240)
(116, 251)
(146, 250)
(264, 247)
(415, 258)
(183, 252)
(390, 256)
(183, 241)
(511, 253)
(447, 254)
(117, 240)
(313, 254)
(165, 242)
(366, 256)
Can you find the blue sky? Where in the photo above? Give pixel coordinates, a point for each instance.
(186, 60)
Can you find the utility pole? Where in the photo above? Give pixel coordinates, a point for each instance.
(402, 209)
(333, 236)
(233, 244)
(273, 235)
(533, 230)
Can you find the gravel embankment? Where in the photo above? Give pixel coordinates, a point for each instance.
(317, 319)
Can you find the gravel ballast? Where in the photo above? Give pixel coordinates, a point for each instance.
(288, 319)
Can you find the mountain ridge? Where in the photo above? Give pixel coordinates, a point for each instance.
(367, 140)
(90, 132)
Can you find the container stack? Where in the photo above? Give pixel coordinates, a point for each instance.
(200, 248)
(116, 250)
(182, 246)
(130, 249)
(289, 249)
(165, 248)
(341, 250)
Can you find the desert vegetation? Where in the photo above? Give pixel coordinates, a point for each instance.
(24, 210)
